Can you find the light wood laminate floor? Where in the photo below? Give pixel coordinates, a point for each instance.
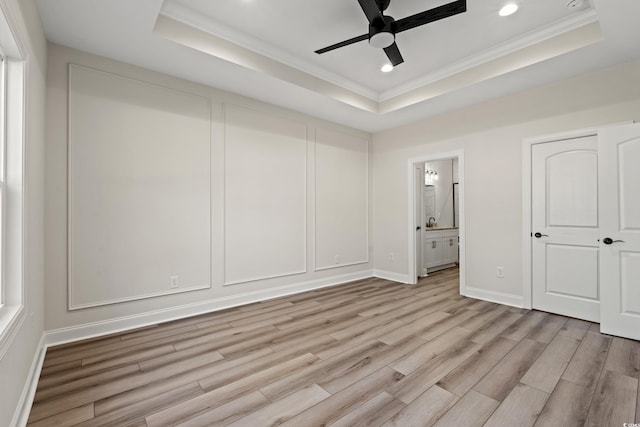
(366, 353)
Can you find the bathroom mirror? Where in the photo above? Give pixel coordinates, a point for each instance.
(440, 193)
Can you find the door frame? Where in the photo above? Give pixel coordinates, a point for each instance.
(412, 220)
(419, 198)
(527, 218)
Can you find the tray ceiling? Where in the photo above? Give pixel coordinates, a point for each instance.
(265, 49)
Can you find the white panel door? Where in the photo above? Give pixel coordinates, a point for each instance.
(565, 226)
(619, 184)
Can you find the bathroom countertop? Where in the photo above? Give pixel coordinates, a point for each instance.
(439, 228)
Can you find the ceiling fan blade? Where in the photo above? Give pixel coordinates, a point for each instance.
(344, 43)
(431, 15)
(393, 53)
(370, 8)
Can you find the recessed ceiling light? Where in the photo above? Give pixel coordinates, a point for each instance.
(508, 9)
(386, 68)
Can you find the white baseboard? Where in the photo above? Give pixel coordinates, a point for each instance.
(95, 329)
(493, 296)
(390, 275)
(21, 415)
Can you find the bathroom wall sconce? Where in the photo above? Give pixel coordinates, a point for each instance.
(429, 176)
(431, 173)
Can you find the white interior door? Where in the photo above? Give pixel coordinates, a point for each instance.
(619, 184)
(565, 224)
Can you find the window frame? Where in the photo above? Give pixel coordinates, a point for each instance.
(12, 309)
(3, 84)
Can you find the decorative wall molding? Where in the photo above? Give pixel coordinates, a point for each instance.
(347, 142)
(110, 326)
(263, 231)
(98, 236)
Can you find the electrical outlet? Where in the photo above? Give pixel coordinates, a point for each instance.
(500, 272)
(174, 282)
(337, 259)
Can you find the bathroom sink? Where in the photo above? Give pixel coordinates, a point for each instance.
(440, 228)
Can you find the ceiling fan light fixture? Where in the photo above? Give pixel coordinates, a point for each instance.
(508, 9)
(382, 39)
(382, 32)
(383, 28)
(386, 68)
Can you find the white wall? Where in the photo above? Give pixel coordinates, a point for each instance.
(491, 136)
(266, 166)
(16, 364)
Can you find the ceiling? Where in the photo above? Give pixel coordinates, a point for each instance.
(264, 49)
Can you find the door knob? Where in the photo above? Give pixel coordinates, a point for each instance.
(539, 235)
(609, 240)
(418, 228)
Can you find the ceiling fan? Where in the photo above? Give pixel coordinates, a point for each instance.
(383, 28)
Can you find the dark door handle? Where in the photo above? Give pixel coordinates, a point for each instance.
(609, 240)
(418, 228)
(539, 235)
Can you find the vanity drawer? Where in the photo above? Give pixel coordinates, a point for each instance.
(433, 235)
(450, 233)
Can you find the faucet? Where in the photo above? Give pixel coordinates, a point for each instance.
(429, 224)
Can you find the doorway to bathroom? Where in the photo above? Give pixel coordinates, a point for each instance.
(436, 215)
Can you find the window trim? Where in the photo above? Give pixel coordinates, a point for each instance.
(12, 312)
(3, 168)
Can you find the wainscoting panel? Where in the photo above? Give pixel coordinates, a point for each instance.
(265, 197)
(139, 189)
(341, 199)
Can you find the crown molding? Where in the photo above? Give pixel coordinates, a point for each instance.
(190, 17)
(524, 57)
(573, 22)
(213, 45)
(187, 27)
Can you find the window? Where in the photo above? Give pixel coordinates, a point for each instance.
(12, 99)
(2, 173)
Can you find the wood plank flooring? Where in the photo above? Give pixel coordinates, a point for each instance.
(366, 353)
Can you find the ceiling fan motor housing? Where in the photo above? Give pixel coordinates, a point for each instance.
(383, 4)
(383, 28)
(382, 32)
